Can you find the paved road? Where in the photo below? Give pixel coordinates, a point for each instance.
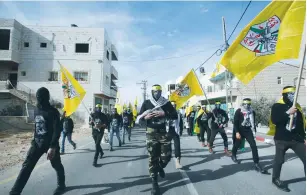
(124, 172)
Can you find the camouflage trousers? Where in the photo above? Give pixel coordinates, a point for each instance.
(159, 149)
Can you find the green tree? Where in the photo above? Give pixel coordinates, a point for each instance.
(262, 106)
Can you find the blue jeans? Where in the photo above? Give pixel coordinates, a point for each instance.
(68, 135)
(114, 130)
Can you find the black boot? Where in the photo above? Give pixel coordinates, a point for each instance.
(95, 162)
(101, 155)
(59, 190)
(161, 172)
(234, 159)
(155, 187)
(259, 168)
(280, 185)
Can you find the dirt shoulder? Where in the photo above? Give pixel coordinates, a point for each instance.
(14, 144)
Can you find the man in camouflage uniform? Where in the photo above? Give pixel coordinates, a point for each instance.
(156, 112)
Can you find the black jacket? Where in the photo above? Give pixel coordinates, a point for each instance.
(170, 114)
(47, 129)
(219, 114)
(238, 120)
(67, 125)
(98, 117)
(130, 118)
(280, 118)
(202, 120)
(116, 118)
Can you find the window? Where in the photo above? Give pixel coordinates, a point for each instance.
(107, 80)
(43, 45)
(26, 44)
(53, 76)
(279, 80)
(82, 48)
(5, 35)
(23, 73)
(81, 76)
(209, 88)
(108, 55)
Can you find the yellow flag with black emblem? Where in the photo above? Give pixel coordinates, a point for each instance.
(274, 34)
(72, 90)
(186, 89)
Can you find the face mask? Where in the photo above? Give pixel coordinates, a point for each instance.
(290, 97)
(218, 106)
(247, 106)
(42, 97)
(156, 94)
(98, 109)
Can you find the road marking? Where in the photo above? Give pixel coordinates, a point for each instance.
(187, 180)
(36, 167)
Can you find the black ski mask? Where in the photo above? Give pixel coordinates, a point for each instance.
(156, 92)
(288, 94)
(218, 105)
(98, 108)
(43, 97)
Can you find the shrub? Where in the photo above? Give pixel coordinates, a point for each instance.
(262, 107)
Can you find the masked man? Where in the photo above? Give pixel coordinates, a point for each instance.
(99, 122)
(244, 125)
(46, 140)
(287, 137)
(174, 131)
(67, 126)
(155, 112)
(115, 125)
(190, 119)
(219, 119)
(196, 129)
(127, 122)
(202, 120)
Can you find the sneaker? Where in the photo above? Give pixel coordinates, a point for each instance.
(280, 185)
(227, 152)
(235, 160)
(59, 190)
(75, 146)
(101, 155)
(178, 165)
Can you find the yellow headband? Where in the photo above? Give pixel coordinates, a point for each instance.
(288, 90)
(156, 88)
(217, 102)
(247, 102)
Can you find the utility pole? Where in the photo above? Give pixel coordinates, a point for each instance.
(144, 88)
(226, 71)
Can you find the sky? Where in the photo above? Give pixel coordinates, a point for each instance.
(156, 41)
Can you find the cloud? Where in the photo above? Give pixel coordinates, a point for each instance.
(131, 42)
(204, 10)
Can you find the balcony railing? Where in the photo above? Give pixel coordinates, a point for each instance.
(114, 73)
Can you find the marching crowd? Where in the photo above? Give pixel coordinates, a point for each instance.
(164, 123)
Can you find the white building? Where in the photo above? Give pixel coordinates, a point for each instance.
(268, 83)
(29, 58)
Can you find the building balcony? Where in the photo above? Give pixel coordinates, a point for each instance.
(114, 53)
(114, 73)
(113, 93)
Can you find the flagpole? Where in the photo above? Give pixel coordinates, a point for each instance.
(298, 84)
(204, 93)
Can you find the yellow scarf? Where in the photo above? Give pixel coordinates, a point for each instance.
(196, 126)
(272, 127)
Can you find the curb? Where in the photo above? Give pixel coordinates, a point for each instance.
(258, 138)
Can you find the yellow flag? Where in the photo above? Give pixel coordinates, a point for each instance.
(72, 90)
(273, 35)
(117, 104)
(136, 101)
(216, 71)
(188, 87)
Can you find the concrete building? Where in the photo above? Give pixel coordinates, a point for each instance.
(268, 83)
(29, 58)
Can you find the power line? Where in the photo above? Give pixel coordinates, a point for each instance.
(169, 58)
(239, 20)
(218, 52)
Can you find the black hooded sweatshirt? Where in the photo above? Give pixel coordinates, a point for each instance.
(280, 118)
(47, 127)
